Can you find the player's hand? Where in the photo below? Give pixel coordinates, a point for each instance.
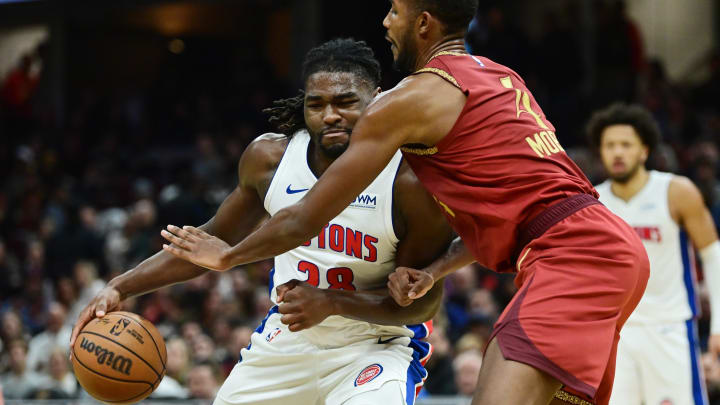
(406, 284)
(302, 305)
(107, 300)
(197, 246)
(714, 346)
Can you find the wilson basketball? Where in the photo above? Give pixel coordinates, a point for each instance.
(119, 358)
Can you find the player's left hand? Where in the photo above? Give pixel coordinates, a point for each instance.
(714, 345)
(197, 246)
(302, 305)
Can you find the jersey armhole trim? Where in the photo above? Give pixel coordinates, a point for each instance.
(445, 75)
(273, 184)
(390, 219)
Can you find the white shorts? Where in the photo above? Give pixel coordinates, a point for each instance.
(282, 367)
(659, 365)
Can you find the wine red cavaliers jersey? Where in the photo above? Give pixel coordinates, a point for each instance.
(500, 165)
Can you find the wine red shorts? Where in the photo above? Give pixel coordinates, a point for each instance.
(578, 283)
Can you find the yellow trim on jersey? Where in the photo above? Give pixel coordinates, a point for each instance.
(420, 151)
(571, 399)
(447, 209)
(445, 75)
(451, 53)
(519, 263)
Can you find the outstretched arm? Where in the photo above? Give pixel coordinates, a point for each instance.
(341, 183)
(421, 109)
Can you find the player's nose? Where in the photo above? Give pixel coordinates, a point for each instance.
(386, 21)
(331, 115)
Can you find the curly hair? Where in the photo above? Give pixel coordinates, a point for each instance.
(337, 55)
(623, 114)
(287, 115)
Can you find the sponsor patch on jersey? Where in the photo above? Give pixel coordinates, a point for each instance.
(272, 334)
(666, 402)
(366, 201)
(368, 374)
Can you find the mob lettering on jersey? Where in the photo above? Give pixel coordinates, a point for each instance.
(648, 233)
(340, 239)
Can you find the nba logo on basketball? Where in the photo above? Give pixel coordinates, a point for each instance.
(120, 326)
(368, 374)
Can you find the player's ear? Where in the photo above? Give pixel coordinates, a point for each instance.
(422, 23)
(376, 92)
(645, 153)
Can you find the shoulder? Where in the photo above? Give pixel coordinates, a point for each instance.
(266, 149)
(684, 194)
(422, 108)
(681, 186)
(417, 90)
(261, 156)
(268, 144)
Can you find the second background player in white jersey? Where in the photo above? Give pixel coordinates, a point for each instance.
(658, 358)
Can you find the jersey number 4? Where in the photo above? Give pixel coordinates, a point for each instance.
(338, 278)
(544, 143)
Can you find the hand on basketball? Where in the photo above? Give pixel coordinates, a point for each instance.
(302, 305)
(107, 300)
(197, 246)
(407, 285)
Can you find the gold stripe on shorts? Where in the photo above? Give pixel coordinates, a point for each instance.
(570, 398)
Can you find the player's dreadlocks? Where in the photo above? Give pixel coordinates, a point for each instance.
(287, 114)
(337, 55)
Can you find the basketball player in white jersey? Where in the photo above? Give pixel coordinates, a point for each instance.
(658, 358)
(335, 336)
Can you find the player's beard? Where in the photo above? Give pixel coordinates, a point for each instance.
(331, 151)
(625, 177)
(407, 54)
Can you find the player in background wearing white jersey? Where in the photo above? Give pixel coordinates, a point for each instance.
(303, 352)
(658, 359)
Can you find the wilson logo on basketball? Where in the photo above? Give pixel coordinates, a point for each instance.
(104, 356)
(368, 374)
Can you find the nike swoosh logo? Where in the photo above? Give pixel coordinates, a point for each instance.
(382, 342)
(291, 191)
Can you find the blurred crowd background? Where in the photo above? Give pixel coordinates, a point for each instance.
(117, 119)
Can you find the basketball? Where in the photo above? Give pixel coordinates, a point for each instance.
(119, 358)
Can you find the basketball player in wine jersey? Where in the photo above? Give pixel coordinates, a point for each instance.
(336, 337)
(481, 145)
(658, 356)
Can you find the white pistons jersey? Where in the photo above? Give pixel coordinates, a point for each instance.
(354, 251)
(670, 294)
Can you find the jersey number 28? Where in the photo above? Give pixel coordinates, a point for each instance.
(338, 278)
